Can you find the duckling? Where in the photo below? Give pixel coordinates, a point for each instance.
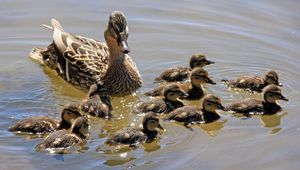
(267, 106)
(44, 124)
(254, 83)
(194, 88)
(181, 73)
(84, 61)
(193, 114)
(169, 102)
(134, 135)
(62, 139)
(98, 102)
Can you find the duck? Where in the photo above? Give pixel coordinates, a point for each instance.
(265, 106)
(254, 83)
(44, 124)
(194, 114)
(194, 88)
(133, 136)
(62, 139)
(181, 73)
(169, 102)
(84, 61)
(98, 102)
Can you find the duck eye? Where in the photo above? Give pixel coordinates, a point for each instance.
(209, 104)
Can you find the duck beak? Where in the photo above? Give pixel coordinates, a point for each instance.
(184, 94)
(209, 62)
(209, 81)
(221, 107)
(283, 98)
(160, 127)
(280, 85)
(124, 46)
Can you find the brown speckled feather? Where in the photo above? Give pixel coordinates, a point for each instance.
(38, 124)
(246, 106)
(174, 74)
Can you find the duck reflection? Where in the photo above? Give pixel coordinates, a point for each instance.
(272, 121)
(213, 129)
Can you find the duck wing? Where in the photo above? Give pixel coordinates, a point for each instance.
(173, 74)
(85, 60)
(187, 114)
(246, 106)
(59, 139)
(131, 136)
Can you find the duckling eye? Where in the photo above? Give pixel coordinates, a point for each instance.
(209, 104)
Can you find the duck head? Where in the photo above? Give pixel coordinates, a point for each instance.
(69, 113)
(151, 122)
(173, 92)
(81, 127)
(271, 77)
(199, 60)
(99, 91)
(211, 103)
(200, 76)
(271, 93)
(117, 31)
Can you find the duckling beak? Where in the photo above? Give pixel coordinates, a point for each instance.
(221, 107)
(209, 62)
(124, 46)
(209, 81)
(160, 127)
(184, 94)
(283, 98)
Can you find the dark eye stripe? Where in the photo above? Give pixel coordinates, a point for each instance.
(213, 102)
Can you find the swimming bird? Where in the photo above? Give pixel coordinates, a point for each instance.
(98, 102)
(133, 136)
(181, 73)
(44, 124)
(266, 106)
(170, 101)
(254, 83)
(194, 88)
(194, 114)
(63, 139)
(84, 61)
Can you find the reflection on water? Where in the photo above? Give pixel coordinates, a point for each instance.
(212, 129)
(271, 122)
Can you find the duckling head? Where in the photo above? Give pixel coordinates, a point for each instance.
(81, 127)
(69, 114)
(200, 76)
(271, 93)
(173, 91)
(117, 32)
(211, 103)
(151, 122)
(199, 60)
(271, 77)
(100, 90)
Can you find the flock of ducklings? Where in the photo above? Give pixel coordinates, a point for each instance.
(181, 83)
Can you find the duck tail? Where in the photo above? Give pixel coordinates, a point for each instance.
(48, 26)
(56, 25)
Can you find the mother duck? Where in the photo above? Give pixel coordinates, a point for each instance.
(84, 61)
